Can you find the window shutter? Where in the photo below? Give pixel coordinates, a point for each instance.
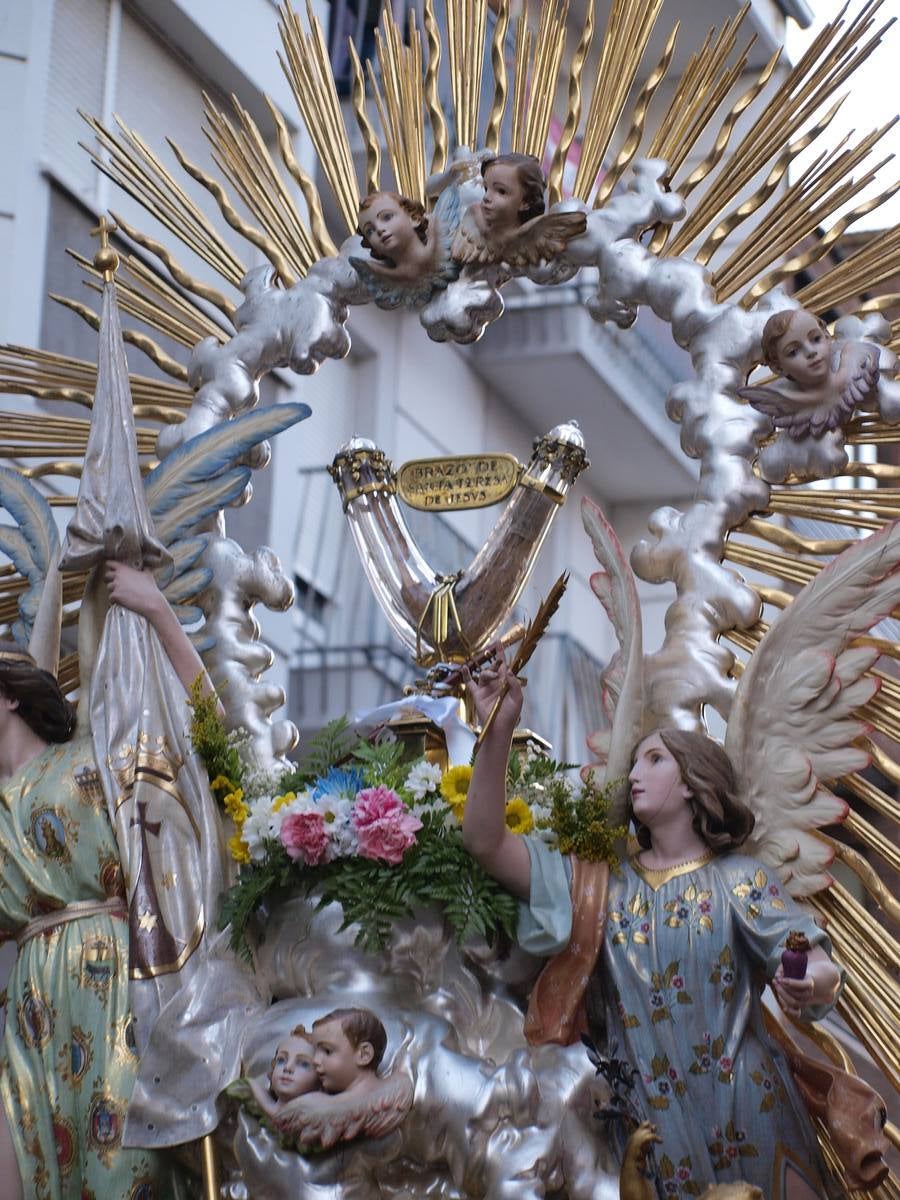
(77, 69)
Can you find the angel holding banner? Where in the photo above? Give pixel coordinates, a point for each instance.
(69, 1054)
(112, 853)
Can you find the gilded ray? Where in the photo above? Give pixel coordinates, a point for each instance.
(628, 29)
(840, 49)
(241, 154)
(132, 165)
(306, 66)
(401, 106)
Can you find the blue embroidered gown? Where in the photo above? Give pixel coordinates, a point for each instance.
(685, 957)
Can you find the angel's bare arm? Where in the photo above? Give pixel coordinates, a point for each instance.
(137, 591)
(485, 835)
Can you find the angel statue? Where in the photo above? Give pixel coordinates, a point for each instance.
(69, 1055)
(112, 852)
(670, 950)
(409, 249)
(821, 385)
(509, 224)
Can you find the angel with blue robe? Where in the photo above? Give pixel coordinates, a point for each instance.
(668, 953)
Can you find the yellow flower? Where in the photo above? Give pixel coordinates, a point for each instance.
(519, 818)
(222, 783)
(235, 806)
(455, 787)
(282, 801)
(239, 849)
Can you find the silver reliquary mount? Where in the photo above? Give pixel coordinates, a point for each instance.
(449, 618)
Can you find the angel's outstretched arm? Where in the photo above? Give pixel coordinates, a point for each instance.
(138, 591)
(485, 835)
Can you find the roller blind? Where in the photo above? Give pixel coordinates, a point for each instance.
(77, 70)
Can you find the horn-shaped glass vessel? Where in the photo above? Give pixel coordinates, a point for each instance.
(443, 618)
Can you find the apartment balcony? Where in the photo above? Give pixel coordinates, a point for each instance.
(549, 360)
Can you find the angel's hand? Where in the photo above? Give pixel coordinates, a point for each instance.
(263, 1098)
(491, 681)
(819, 986)
(794, 995)
(133, 589)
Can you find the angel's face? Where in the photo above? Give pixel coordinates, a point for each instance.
(803, 351)
(387, 227)
(293, 1069)
(658, 793)
(503, 197)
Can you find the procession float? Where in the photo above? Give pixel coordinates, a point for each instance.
(418, 956)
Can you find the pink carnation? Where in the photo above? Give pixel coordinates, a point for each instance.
(304, 837)
(384, 825)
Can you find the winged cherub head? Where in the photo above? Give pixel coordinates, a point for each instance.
(514, 187)
(796, 344)
(393, 227)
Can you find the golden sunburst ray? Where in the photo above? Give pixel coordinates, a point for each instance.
(401, 107)
(242, 156)
(838, 51)
(134, 167)
(306, 66)
(628, 30)
(48, 376)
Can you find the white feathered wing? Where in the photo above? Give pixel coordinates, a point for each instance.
(793, 724)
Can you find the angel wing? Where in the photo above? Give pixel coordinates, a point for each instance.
(319, 1119)
(543, 238)
(32, 546)
(800, 421)
(858, 373)
(192, 483)
(623, 679)
(793, 721)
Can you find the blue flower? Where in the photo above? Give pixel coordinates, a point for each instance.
(338, 782)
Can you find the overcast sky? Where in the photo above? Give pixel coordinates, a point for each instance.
(872, 100)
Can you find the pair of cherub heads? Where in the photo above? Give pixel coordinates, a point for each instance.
(341, 1053)
(507, 224)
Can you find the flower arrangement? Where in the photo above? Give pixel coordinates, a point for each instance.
(360, 824)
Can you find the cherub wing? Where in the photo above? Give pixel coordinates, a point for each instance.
(623, 680)
(543, 238)
(798, 420)
(859, 374)
(192, 483)
(390, 292)
(446, 220)
(32, 545)
(794, 720)
(468, 244)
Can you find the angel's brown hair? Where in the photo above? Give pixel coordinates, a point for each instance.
(531, 180)
(39, 699)
(415, 210)
(720, 818)
(359, 1025)
(775, 329)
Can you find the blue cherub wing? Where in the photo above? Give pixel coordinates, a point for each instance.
(31, 544)
(192, 484)
(447, 216)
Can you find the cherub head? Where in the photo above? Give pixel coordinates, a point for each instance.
(349, 1044)
(293, 1071)
(796, 344)
(388, 224)
(680, 766)
(514, 188)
